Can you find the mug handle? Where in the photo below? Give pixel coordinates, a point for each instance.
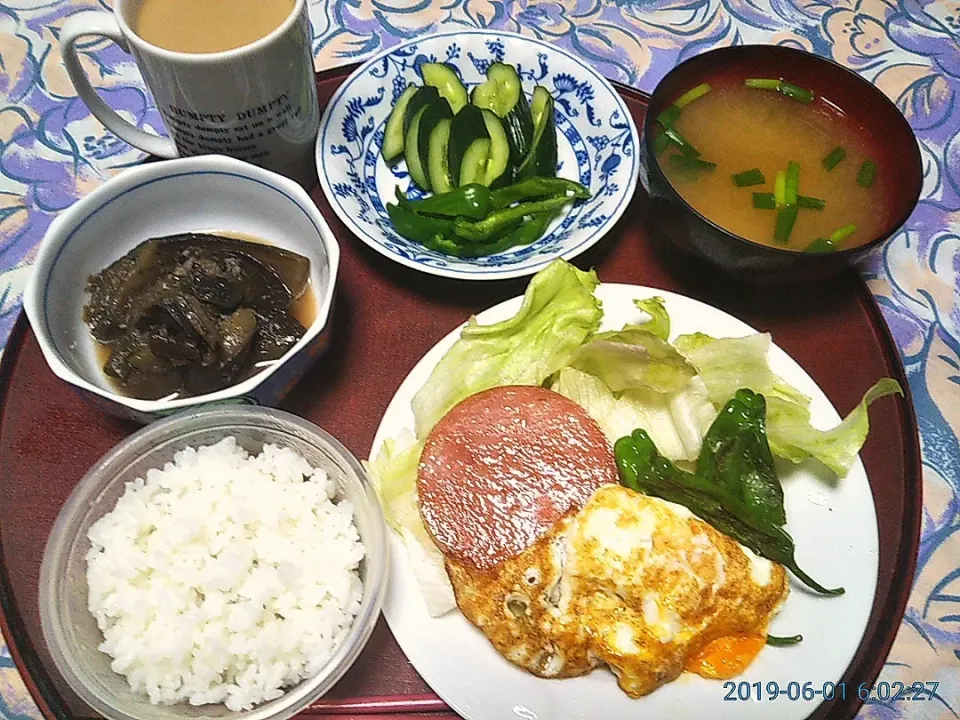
(103, 24)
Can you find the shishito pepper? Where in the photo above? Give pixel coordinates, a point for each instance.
(735, 448)
(536, 187)
(736, 454)
(494, 222)
(473, 222)
(521, 233)
(413, 226)
(471, 201)
(530, 230)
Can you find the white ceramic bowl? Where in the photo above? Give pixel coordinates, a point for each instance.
(70, 630)
(208, 193)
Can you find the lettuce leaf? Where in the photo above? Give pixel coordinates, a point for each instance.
(728, 364)
(394, 476)
(659, 322)
(559, 312)
(792, 436)
(633, 358)
(676, 422)
(692, 414)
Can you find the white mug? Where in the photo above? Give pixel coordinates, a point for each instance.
(257, 102)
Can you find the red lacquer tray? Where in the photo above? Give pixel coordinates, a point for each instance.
(386, 318)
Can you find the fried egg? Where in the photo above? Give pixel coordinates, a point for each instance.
(630, 582)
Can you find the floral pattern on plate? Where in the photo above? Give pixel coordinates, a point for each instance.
(596, 139)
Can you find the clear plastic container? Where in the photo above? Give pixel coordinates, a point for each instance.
(71, 631)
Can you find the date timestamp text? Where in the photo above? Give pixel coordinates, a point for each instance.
(795, 690)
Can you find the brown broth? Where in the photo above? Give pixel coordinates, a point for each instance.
(740, 128)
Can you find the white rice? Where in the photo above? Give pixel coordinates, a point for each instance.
(224, 577)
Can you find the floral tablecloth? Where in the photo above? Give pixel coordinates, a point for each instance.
(52, 151)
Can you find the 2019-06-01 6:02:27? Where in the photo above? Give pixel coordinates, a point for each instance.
(794, 690)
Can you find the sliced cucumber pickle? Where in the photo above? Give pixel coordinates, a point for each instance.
(519, 126)
(541, 159)
(435, 113)
(438, 166)
(473, 165)
(502, 90)
(467, 126)
(392, 148)
(411, 151)
(444, 79)
(423, 97)
(498, 161)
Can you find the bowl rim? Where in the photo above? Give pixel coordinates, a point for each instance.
(61, 231)
(843, 253)
(376, 552)
(460, 268)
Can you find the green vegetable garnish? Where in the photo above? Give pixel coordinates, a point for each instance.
(792, 184)
(660, 143)
(829, 244)
(735, 455)
(499, 219)
(536, 187)
(786, 217)
(775, 641)
(749, 177)
(834, 158)
(868, 171)
(669, 116)
(780, 188)
(794, 92)
(747, 513)
(691, 164)
(763, 83)
(843, 233)
(471, 201)
(821, 245)
(681, 142)
(522, 233)
(788, 89)
(413, 226)
(810, 203)
(692, 94)
(764, 201)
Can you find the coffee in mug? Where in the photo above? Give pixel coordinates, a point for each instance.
(231, 77)
(206, 26)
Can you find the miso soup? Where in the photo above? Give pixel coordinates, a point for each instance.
(724, 148)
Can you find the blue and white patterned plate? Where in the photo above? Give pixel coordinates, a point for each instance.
(596, 140)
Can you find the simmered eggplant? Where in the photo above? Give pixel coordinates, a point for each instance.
(195, 313)
(113, 290)
(237, 332)
(135, 367)
(217, 279)
(278, 333)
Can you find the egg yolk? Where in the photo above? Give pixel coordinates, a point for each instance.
(725, 657)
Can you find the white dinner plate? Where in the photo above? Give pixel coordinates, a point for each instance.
(833, 523)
